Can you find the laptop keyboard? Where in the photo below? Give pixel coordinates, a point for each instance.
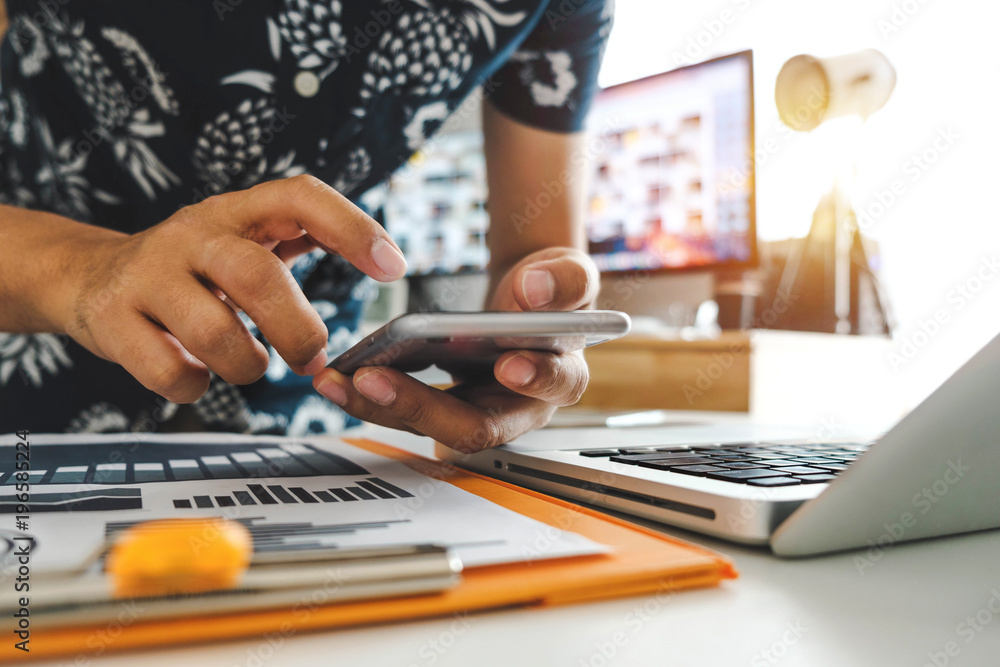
(756, 464)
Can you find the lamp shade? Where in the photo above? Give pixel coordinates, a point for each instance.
(810, 90)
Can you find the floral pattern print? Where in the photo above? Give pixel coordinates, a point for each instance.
(31, 356)
(118, 113)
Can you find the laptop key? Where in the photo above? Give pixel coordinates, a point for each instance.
(672, 449)
(833, 467)
(658, 456)
(741, 475)
(635, 458)
(812, 479)
(774, 481)
(670, 464)
(779, 463)
(815, 460)
(699, 470)
(636, 450)
(594, 453)
(737, 465)
(801, 470)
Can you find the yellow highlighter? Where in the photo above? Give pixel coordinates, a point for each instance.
(175, 556)
(202, 566)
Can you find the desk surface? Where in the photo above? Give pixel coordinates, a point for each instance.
(931, 603)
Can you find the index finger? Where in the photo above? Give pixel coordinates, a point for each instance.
(283, 210)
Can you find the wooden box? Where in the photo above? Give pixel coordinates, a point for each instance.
(642, 372)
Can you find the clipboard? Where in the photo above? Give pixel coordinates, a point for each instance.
(642, 562)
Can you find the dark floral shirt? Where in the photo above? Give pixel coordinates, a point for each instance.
(118, 113)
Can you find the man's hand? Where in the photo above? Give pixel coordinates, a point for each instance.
(162, 303)
(526, 388)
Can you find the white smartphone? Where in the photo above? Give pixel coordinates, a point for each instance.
(417, 340)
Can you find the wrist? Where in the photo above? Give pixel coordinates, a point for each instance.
(45, 260)
(75, 259)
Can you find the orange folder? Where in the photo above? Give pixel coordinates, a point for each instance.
(642, 562)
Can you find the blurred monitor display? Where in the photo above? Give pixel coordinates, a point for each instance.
(671, 186)
(436, 206)
(672, 157)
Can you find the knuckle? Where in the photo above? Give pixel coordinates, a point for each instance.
(493, 433)
(179, 381)
(307, 346)
(575, 378)
(250, 368)
(305, 186)
(180, 301)
(578, 387)
(218, 338)
(190, 215)
(411, 412)
(258, 269)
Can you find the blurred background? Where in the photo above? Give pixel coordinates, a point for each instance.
(674, 226)
(944, 228)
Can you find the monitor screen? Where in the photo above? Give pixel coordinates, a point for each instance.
(672, 157)
(671, 185)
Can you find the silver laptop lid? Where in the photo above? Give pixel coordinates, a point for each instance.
(937, 472)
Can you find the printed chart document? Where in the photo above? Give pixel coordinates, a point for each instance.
(291, 494)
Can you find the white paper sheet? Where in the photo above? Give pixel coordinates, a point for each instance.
(290, 493)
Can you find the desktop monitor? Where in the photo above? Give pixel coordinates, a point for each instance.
(671, 187)
(672, 158)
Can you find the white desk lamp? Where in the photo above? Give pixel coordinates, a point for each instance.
(809, 92)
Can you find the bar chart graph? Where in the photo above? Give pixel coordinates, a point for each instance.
(144, 462)
(285, 536)
(265, 493)
(92, 500)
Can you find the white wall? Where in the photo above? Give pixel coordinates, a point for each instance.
(937, 234)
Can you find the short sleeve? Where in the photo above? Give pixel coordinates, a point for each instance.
(549, 81)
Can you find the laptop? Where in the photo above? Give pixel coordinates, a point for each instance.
(936, 472)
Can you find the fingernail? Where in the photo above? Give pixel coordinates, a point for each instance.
(375, 386)
(316, 365)
(539, 288)
(333, 391)
(518, 370)
(388, 259)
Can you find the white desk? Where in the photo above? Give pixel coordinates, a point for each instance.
(908, 608)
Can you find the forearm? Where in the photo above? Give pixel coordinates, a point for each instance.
(537, 187)
(40, 263)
